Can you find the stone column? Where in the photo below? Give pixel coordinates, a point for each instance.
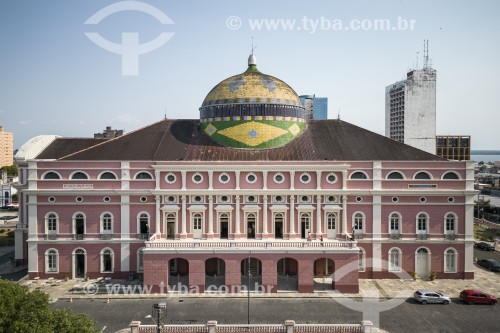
(183, 174)
(210, 216)
(292, 216)
(237, 176)
(184, 217)
(318, 180)
(264, 218)
(264, 180)
(237, 215)
(210, 180)
(344, 180)
(158, 215)
(344, 214)
(134, 326)
(292, 180)
(319, 229)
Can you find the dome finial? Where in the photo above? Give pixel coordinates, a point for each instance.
(252, 60)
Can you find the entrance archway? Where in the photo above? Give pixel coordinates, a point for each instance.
(422, 262)
(178, 274)
(215, 274)
(251, 273)
(324, 269)
(287, 269)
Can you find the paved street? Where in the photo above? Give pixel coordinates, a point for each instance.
(407, 317)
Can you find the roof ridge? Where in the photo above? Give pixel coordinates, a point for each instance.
(111, 140)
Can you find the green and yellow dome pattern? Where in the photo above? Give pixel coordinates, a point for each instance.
(252, 110)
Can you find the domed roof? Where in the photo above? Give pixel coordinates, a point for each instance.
(252, 86)
(252, 110)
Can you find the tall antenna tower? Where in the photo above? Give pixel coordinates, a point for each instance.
(416, 65)
(427, 64)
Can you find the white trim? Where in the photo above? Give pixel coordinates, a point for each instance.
(46, 218)
(363, 221)
(305, 174)
(256, 231)
(170, 174)
(423, 171)
(143, 171)
(84, 222)
(101, 224)
(170, 208)
(138, 219)
(166, 214)
(228, 178)
(47, 261)
(395, 171)
(224, 208)
(400, 225)
(197, 208)
(78, 171)
(454, 172)
(455, 259)
(426, 223)
(229, 219)
(51, 171)
(356, 171)
(202, 216)
(455, 222)
(331, 174)
(279, 174)
(107, 171)
(73, 263)
(251, 174)
(278, 208)
(197, 174)
(390, 266)
(112, 254)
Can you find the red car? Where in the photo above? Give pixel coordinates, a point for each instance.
(471, 296)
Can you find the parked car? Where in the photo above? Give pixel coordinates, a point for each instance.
(484, 246)
(489, 264)
(471, 296)
(428, 296)
(13, 206)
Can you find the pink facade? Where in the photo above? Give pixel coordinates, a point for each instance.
(303, 221)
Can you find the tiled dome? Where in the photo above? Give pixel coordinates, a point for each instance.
(252, 110)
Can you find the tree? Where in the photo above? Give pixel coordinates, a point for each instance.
(25, 311)
(11, 170)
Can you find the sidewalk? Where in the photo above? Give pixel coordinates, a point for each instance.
(384, 288)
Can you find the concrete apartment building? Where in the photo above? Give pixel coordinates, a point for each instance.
(252, 192)
(6, 148)
(410, 110)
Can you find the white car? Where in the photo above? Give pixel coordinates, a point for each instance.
(429, 296)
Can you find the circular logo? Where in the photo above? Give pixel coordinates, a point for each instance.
(91, 288)
(233, 23)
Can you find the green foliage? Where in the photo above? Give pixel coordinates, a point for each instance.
(2, 231)
(25, 311)
(11, 170)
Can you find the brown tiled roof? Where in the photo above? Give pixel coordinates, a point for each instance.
(61, 147)
(176, 140)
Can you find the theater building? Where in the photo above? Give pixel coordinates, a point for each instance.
(251, 193)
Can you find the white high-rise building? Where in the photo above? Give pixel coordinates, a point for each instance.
(410, 110)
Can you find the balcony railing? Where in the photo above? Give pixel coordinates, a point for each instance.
(358, 236)
(395, 235)
(144, 236)
(51, 237)
(79, 236)
(451, 236)
(422, 236)
(263, 244)
(105, 236)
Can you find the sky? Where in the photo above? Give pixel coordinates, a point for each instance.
(55, 79)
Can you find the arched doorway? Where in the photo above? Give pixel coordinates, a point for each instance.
(422, 262)
(79, 226)
(215, 274)
(287, 269)
(178, 274)
(324, 279)
(224, 225)
(79, 264)
(251, 273)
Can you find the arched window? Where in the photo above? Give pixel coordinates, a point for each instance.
(422, 223)
(107, 175)
(143, 175)
(395, 175)
(51, 257)
(450, 223)
(51, 223)
(450, 175)
(140, 260)
(143, 225)
(79, 175)
(361, 260)
(422, 175)
(106, 223)
(358, 222)
(107, 261)
(394, 223)
(358, 175)
(51, 175)
(394, 260)
(450, 261)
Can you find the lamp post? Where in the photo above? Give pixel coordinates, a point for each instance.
(159, 311)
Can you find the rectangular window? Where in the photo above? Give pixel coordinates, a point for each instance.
(52, 263)
(450, 263)
(106, 225)
(52, 225)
